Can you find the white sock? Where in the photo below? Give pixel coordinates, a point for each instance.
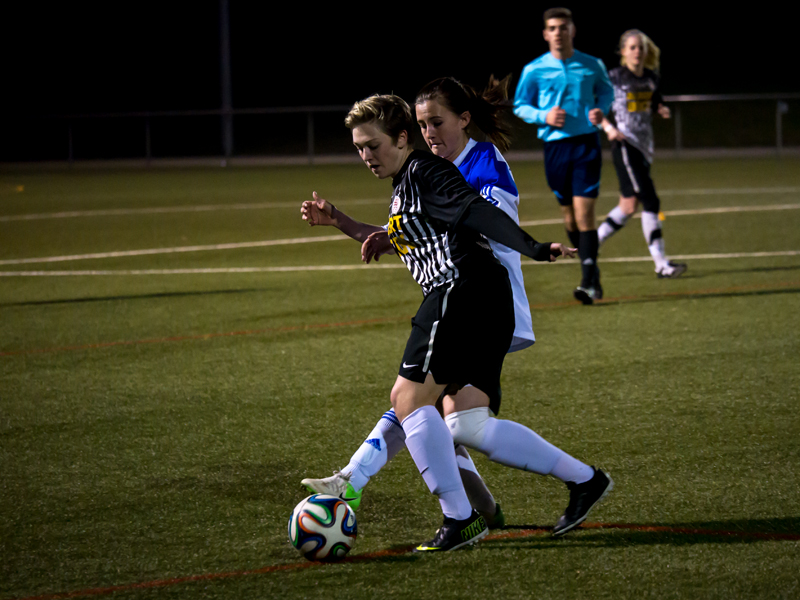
(514, 445)
(430, 445)
(615, 221)
(651, 227)
(385, 440)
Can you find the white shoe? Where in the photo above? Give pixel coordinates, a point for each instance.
(337, 485)
(671, 270)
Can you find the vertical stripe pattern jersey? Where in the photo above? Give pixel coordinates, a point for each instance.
(429, 199)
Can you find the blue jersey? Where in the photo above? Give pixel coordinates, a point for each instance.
(576, 84)
(487, 171)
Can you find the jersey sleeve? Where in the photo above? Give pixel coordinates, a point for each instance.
(444, 194)
(603, 88)
(526, 99)
(657, 97)
(491, 176)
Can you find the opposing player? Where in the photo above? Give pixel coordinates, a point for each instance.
(566, 93)
(446, 111)
(636, 99)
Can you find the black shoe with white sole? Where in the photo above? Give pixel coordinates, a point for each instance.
(454, 534)
(582, 498)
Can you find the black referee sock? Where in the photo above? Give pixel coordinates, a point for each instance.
(574, 238)
(587, 251)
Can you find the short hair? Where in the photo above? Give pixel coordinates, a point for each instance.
(391, 113)
(557, 13)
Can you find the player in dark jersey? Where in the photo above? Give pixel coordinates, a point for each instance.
(450, 115)
(636, 98)
(465, 324)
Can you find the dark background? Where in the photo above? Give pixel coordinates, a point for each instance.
(122, 56)
(90, 58)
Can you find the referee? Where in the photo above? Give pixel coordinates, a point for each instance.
(566, 93)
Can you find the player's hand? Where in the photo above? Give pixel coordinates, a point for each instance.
(614, 134)
(556, 117)
(317, 211)
(596, 116)
(664, 111)
(557, 250)
(376, 245)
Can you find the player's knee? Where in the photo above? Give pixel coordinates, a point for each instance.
(468, 427)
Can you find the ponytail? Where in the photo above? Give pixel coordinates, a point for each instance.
(485, 109)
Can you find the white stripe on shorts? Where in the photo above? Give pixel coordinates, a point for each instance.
(628, 168)
(435, 326)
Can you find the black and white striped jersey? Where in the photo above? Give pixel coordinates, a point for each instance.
(429, 200)
(635, 101)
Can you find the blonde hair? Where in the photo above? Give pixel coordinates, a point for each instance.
(652, 53)
(389, 112)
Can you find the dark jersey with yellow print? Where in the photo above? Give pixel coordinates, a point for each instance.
(429, 199)
(437, 220)
(635, 101)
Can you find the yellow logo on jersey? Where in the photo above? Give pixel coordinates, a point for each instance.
(639, 101)
(400, 244)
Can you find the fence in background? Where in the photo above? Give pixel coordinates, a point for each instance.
(699, 121)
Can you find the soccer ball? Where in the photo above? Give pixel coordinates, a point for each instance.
(323, 527)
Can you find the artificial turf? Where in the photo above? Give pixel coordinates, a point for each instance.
(156, 426)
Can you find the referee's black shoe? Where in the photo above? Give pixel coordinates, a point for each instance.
(582, 498)
(454, 534)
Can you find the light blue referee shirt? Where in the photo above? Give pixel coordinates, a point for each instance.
(577, 84)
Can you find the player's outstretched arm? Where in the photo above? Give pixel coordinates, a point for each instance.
(492, 222)
(321, 212)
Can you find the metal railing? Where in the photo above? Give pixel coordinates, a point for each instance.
(684, 108)
(781, 108)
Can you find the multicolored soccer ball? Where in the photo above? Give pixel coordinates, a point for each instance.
(323, 527)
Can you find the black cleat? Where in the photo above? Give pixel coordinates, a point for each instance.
(497, 520)
(454, 534)
(587, 295)
(582, 498)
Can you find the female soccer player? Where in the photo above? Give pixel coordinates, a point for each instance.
(445, 110)
(636, 98)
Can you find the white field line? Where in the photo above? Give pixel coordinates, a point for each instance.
(371, 201)
(178, 249)
(330, 238)
(355, 267)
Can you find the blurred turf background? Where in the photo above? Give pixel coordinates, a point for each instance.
(154, 427)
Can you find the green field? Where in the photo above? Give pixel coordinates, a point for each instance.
(158, 411)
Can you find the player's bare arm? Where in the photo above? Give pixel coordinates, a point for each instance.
(321, 212)
(614, 134)
(664, 111)
(376, 245)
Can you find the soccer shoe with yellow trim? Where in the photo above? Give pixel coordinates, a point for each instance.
(454, 534)
(497, 520)
(337, 485)
(671, 270)
(582, 498)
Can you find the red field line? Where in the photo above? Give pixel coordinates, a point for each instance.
(519, 533)
(204, 336)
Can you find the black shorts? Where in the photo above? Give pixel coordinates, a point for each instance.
(633, 172)
(572, 167)
(461, 334)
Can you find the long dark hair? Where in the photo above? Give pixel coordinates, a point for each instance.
(485, 109)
